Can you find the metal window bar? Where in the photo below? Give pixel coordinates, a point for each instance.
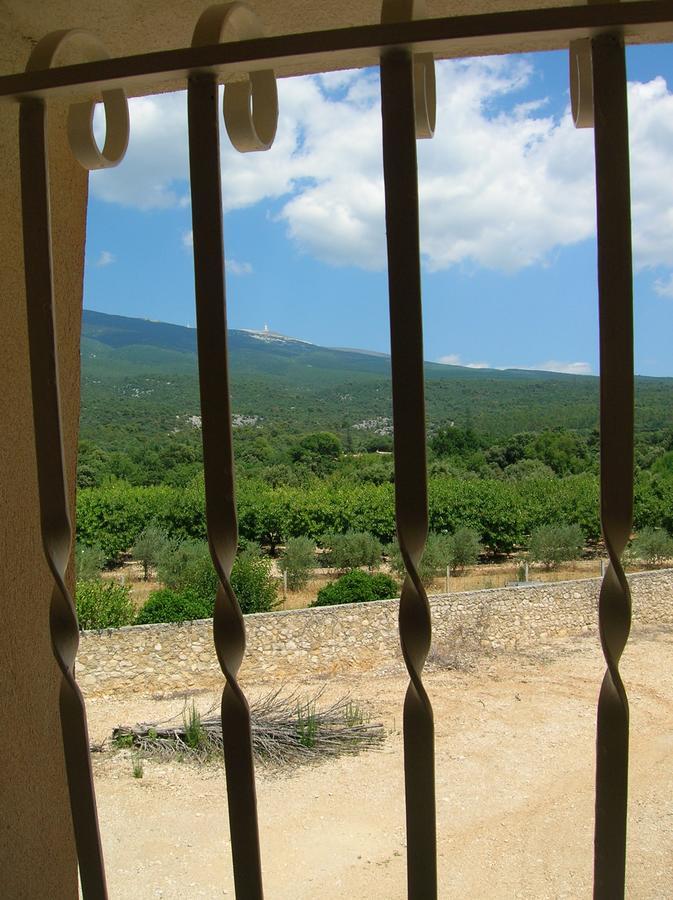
(609, 25)
(411, 496)
(615, 279)
(218, 463)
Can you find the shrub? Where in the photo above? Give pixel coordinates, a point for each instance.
(103, 604)
(298, 561)
(438, 554)
(88, 562)
(255, 588)
(188, 570)
(148, 549)
(652, 546)
(554, 544)
(356, 587)
(383, 586)
(351, 550)
(187, 565)
(167, 605)
(464, 548)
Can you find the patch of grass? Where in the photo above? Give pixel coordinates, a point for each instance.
(138, 767)
(353, 714)
(195, 736)
(122, 741)
(307, 724)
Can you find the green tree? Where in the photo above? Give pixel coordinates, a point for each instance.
(653, 546)
(563, 451)
(152, 543)
(256, 590)
(455, 441)
(664, 465)
(464, 548)
(89, 562)
(103, 604)
(438, 554)
(351, 550)
(318, 452)
(298, 561)
(188, 566)
(527, 468)
(188, 570)
(554, 544)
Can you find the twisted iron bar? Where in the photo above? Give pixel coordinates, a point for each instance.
(53, 493)
(218, 458)
(411, 505)
(616, 424)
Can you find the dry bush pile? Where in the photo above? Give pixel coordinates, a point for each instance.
(285, 728)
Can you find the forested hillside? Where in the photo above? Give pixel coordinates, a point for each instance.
(512, 463)
(140, 405)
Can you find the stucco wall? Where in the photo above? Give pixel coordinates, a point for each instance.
(35, 810)
(316, 642)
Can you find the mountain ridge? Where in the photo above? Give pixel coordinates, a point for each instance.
(126, 331)
(136, 372)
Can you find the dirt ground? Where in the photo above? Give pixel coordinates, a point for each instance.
(515, 761)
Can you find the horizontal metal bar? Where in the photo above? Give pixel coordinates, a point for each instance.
(646, 21)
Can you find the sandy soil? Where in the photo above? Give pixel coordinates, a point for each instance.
(515, 745)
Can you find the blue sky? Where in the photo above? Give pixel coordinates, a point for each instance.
(507, 217)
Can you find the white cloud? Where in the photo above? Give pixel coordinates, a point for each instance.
(232, 265)
(238, 268)
(664, 287)
(567, 368)
(651, 131)
(551, 365)
(453, 359)
(105, 258)
(154, 171)
(502, 184)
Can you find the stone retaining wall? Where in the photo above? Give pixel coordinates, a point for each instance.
(356, 637)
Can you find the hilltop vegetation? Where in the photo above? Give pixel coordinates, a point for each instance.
(140, 410)
(509, 453)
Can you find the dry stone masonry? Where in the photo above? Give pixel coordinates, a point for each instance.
(293, 644)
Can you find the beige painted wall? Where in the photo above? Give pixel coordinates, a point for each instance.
(35, 823)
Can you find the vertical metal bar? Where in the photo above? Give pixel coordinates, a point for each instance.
(411, 502)
(218, 458)
(616, 428)
(53, 495)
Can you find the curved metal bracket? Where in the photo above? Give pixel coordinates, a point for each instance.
(581, 83)
(425, 93)
(80, 115)
(250, 107)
